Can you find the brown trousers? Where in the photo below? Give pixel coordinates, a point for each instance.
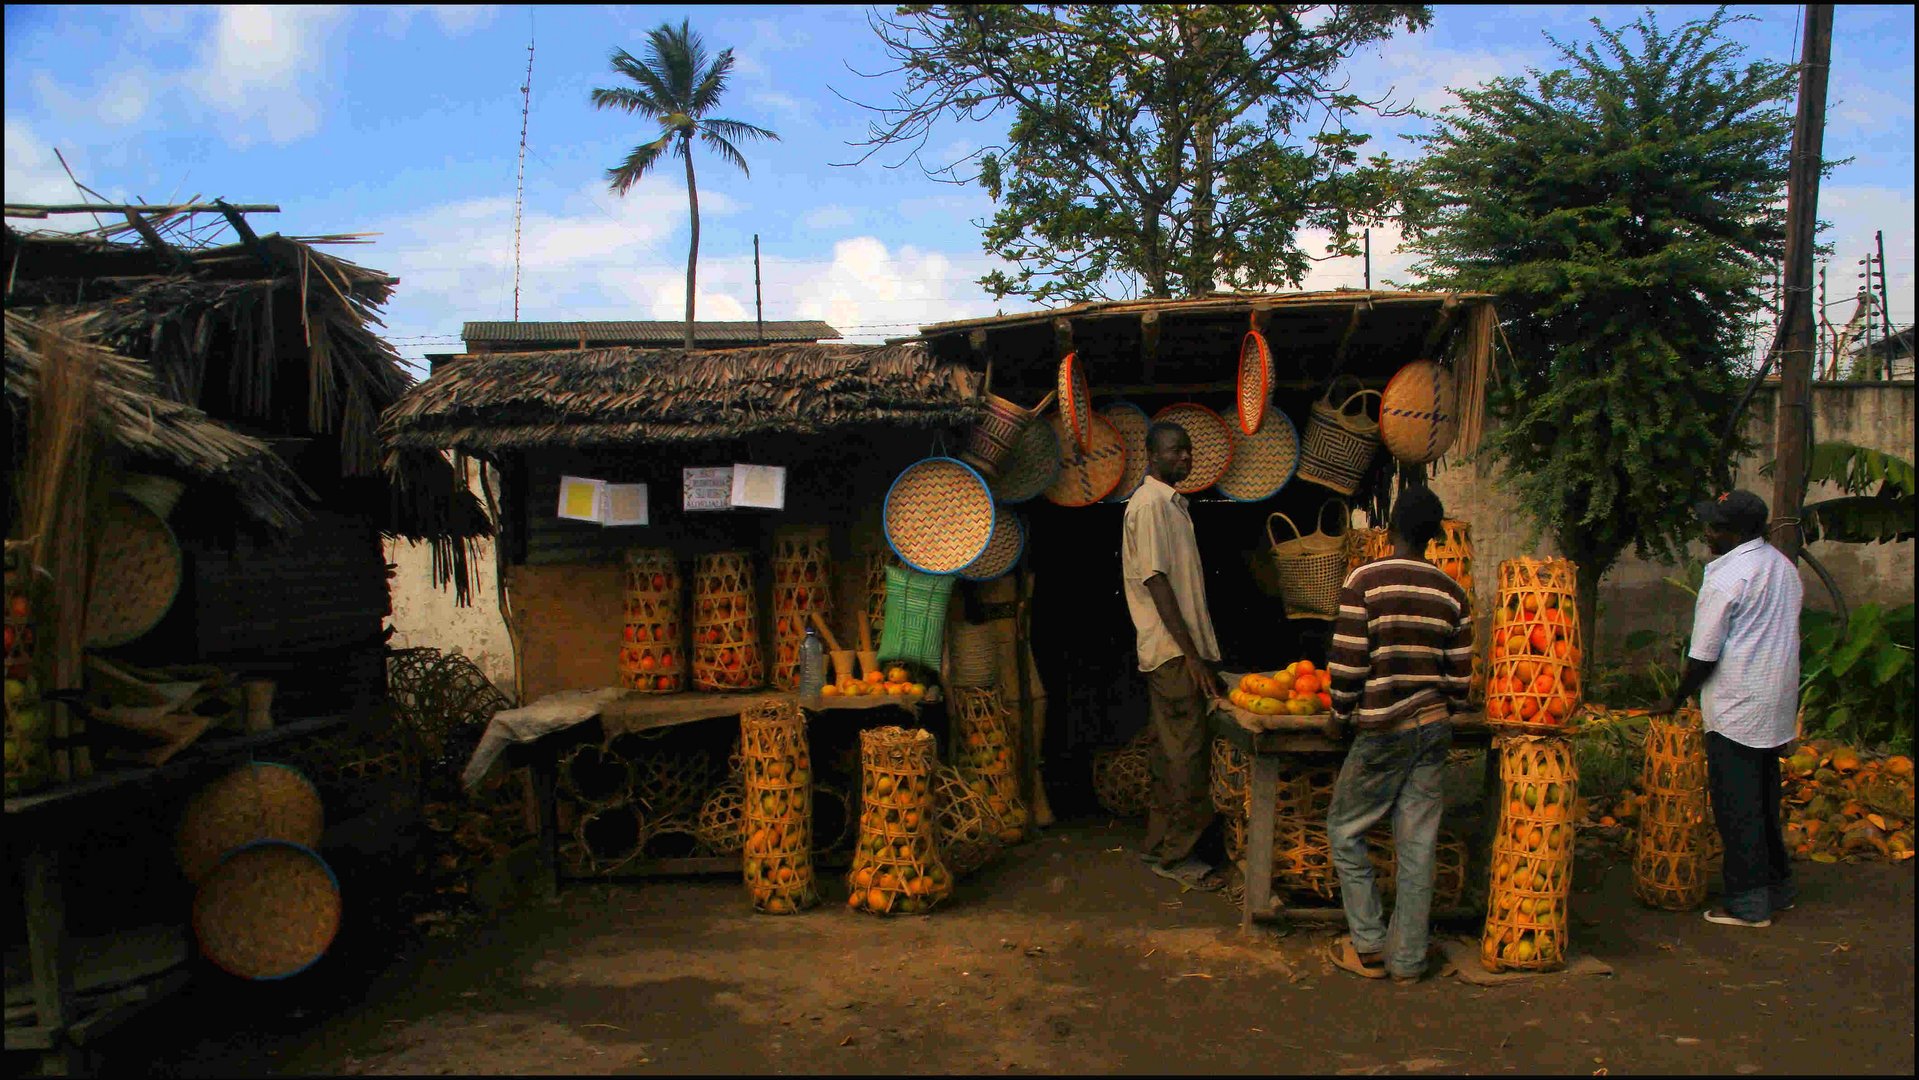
(1181, 805)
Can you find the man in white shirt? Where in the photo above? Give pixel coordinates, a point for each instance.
(1745, 658)
(1166, 595)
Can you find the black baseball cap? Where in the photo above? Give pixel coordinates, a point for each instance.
(1737, 511)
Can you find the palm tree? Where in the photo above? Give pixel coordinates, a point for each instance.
(676, 86)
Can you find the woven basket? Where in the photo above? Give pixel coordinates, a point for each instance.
(1003, 551)
(1255, 382)
(30, 764)
(726, 634)
(1032, 465)
(1339, 446)
(778, 852)
(1131, 422)
(1526, 925)
(268, 911)
(1418, 417)
(973, 654)
(257, 801)
(994, 435)
(1669, 853)
(802, 585)
(1532, 684)
(939, 515)
(652, 659)
(833, 819)
(897, 867)
(1310, 567)
(986, 756)
(1087, 476)
(136, 574)
(1076, 400)
(960, 823)
(1123, 781)
(721, 824)
(594, 775)
(611, 836)
(667, 780)
(1263, 463)
(1364, 544)
(1212, 443)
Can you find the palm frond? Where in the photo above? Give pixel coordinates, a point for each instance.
(738, 129)
(622, 177)
(1857, 469)
(726, 151)
(1860, 519)
(620, 97)
(650, 82)
(712, 84)
(678, 56)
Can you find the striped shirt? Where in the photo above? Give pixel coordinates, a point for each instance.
(1402, 645)
(1747, 619)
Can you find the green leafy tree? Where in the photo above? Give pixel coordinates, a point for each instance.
(1625, 208)
(677, 86)
(1153, 149)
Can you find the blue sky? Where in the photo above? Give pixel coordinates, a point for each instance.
(405, 121)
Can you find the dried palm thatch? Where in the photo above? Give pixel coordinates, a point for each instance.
(514, 401)
(133, 416)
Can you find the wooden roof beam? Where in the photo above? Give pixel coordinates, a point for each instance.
(32, 210)
(152, 236)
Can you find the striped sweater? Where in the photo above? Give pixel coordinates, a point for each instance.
(1402, 645)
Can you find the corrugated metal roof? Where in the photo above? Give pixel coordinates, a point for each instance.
(651, 332)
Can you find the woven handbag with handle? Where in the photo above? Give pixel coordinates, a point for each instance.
(1312, 566)
(1339, 445)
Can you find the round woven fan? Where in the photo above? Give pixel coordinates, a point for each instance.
(1212, 444)
(1087, 476)
(1418, 417)
(1131, 422)
(939, 515)
(1031, 466)
(136, 574)
(1075, 400)
(1262, 463)
(268, 911)
(1009, 540)
(1255, 382)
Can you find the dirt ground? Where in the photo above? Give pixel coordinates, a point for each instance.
(1066, 955)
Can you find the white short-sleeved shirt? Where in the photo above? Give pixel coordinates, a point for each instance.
(1158, 539)
(1747, 618)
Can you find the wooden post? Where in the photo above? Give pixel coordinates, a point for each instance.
(1149, 344)
(1795, 359)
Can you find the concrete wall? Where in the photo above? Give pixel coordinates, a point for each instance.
(1635, 596)
(426, 615)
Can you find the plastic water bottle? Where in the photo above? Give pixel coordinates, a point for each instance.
(812, 665)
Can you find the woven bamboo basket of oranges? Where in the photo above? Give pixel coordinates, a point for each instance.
(986, 758)
(778, 780)
(1526, 926)
(652, 659)
(802, 585)
(1669, 851)
(1533, 684)
(726, 637)
(897, 867)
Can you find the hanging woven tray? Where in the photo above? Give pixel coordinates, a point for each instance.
(1418, 417)
(1263, 463)
(1087, 476)
(1009, 541)
(939, 515)
(1212, 444)
(1255, 382)
(1076, 400)
(1131, 421)
(136, 574)
(268, 911)
(1031, 466)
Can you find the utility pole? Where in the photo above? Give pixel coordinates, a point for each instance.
(1369, 260)
(1821, 363)
(1885, 309)
(1802, 204)
(1865, 297)
(759, 313)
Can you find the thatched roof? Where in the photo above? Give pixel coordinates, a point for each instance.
(709, 334)
(137, 418)
(486, 403)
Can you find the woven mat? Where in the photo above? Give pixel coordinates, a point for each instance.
(1255, 379)
(1263, 464)
(1212, 444)
(1076, 400)
(1009, 540)
(1131, 422)
(1086, 477)
(939, 515)
(1462, 956)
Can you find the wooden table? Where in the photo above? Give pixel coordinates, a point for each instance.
(1293, 735)
(43, 823)
(651, 712)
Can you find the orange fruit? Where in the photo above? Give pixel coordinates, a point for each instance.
(876, 677)
(898, 674)
(1528, 708)
(829, 690)
(877, 900)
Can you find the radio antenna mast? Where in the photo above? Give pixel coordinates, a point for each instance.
(519, 193)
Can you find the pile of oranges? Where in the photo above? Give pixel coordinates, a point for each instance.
(895, 681)
(1298, 689)
(1535, 661)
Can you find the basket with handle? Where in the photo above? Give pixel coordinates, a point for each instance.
(994, 435)
(1311, 566)
(1339, 444)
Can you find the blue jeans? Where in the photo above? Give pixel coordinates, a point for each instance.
(1401, 774)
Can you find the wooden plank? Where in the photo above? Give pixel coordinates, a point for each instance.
(1132, 389)
(1232, 304)
(1259, 841)
(39, 210)
(124, 1005)
(37, 1037)
(50, 956)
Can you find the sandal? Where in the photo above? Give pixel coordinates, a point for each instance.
(1345, 957)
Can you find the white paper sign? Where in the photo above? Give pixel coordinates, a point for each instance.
(759, 486)
(586, 499)
(709, 488)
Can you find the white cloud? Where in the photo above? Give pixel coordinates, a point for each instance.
(828, 217)
(163, 20)
(454, 20)
(1856, 211)
(124, 99)
(261, 69)
(1869, 110)
(33, 174)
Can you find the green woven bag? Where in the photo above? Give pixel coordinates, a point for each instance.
(915, 616)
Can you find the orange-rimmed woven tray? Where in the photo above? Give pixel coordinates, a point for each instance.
(1009, 540)
(1031, 466)
(1212, 444)
(1255, 382)
(1076, 400)
(1263, 463)
(939, 515)
(136, 574)
(1087, 476)
(1131, 422)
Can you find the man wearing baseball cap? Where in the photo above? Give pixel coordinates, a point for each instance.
(1744, 663)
